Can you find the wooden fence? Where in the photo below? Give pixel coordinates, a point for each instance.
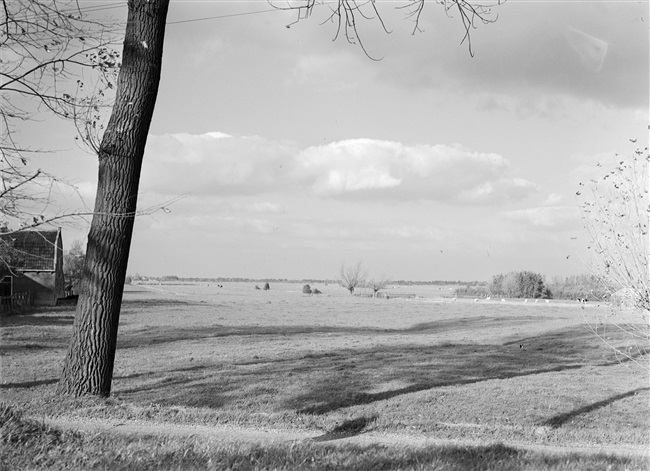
(20, 302)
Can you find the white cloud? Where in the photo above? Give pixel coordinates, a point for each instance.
(553, 199)
(259, 225)
(367, 167)
(594, 51)
(214, 164)
(264, 207)
(330, 72)
(217, 164)
(559, 217)
(413, 232)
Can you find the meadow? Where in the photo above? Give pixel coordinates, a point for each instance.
(211, 376)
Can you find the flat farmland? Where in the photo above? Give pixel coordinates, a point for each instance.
(231, 363)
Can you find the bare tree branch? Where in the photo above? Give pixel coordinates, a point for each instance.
(56, 58)
(346, 13)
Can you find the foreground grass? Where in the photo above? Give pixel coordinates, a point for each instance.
(523, 376)
(29, 445)
(563, 387)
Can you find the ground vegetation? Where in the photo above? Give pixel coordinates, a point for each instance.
(209, 370)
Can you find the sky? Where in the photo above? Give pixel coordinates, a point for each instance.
(294, 153)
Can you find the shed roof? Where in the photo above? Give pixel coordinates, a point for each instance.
(29, 250)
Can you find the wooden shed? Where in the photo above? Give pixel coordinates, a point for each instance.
(32, 262)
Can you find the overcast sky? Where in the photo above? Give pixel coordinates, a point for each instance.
(297, 153)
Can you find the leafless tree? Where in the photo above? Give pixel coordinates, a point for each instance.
(56, 60)
(378, 284)
(615, 210)
(351, 277)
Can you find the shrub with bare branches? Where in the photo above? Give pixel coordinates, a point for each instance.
(378, 284)
(615, 209)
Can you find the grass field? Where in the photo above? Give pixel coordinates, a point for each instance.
(230, 377)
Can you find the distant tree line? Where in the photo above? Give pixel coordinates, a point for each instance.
(193, 279)
(525, 284)
(520, 284)
(459, 283)
(588, 287)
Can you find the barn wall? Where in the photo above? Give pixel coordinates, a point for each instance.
(59, 278)
(41, 284)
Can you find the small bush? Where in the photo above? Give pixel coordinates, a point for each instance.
(306, 289)
(471, 291)
(266, 287)
(257, 287)
(316, 291)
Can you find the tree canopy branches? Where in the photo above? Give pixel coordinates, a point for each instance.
(55, 59)
(346, 14)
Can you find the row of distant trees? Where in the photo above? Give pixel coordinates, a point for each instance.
(516, 284)
(520, 284)
(527, 284)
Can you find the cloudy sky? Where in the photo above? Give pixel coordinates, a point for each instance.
(296, 153)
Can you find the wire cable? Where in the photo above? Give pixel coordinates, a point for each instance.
(222, 16)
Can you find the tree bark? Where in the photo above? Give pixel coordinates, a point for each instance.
(88, 368)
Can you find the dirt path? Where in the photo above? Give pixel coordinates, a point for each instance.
(223, 434)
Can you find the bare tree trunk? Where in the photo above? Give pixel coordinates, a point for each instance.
(89, 363)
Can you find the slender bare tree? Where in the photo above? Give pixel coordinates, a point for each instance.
(615, 210)
(352, 276)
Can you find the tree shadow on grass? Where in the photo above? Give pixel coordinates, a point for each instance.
(185, 386)
(561, 419)
(473, 323)
(147, 303)
(23, 348)
(28, 384)
(37, 319)
(156, 335)
(419, 369)
(321, 382)
(349, 428)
